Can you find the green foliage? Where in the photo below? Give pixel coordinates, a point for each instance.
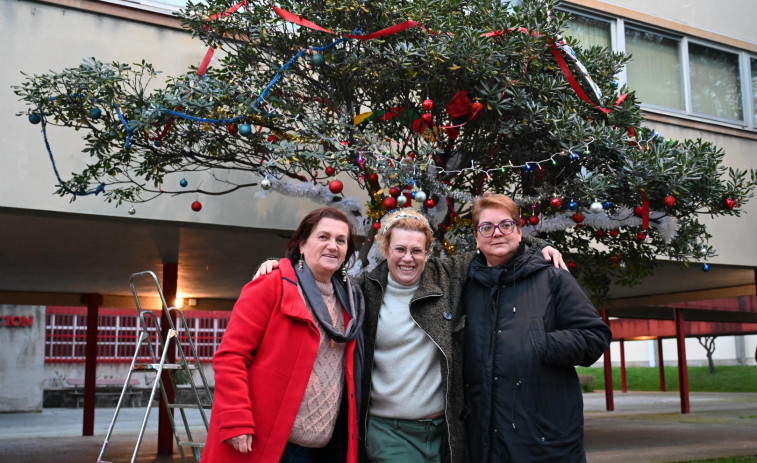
(726, 379)
(531, 118)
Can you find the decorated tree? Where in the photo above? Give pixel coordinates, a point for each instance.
(421, 103)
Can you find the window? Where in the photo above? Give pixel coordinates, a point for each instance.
(715, 82)
(589, 32)
(118, 332)
(753, 62)
(673, 73)
(655, 70)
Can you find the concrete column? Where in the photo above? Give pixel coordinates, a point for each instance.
(22, 363)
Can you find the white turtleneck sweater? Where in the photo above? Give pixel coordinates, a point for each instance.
(406, 381)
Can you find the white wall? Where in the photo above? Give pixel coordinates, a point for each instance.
(41, 37)
(22, 357)
(732, 18)
(729, 350)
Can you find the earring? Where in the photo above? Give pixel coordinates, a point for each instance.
(300, 264)
(478, 251)
(344, 273)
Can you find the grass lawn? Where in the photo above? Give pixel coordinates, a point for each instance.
(725, 379)
(726, 460)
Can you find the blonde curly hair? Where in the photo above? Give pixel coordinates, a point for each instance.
(403, 219)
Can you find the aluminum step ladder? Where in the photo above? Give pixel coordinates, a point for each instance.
(151, 339)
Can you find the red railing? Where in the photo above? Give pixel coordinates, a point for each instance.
(118, 331)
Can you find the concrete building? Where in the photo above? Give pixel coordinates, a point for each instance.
(54, 252)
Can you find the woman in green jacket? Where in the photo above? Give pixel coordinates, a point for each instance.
(412, 389)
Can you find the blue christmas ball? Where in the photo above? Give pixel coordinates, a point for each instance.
(614, 84)
(35, 118)
(245, 130)
(95, 113)
(572, 205)
(318, 59)
(706, 268)
(157, 143)
(529, 166)
(606, 204)
(183, 182)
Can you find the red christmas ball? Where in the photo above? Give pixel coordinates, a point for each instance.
(523, 222)
(329, 171)
(614, 233)
(336, 186)
(394, 192)
(376, 226)
(428, 118)
(638, 211)
(477, 108)
(669, 200)
(578, 217)
(600, 233)
(427, 105)
(272, 138)
(641, 236)
(555, 202)
(196, 206)
(729, 203)
(533, 220)
(373, 177)
(430, 203)
(390, 203)
(614, 260)
(571, 264)
(233, 129)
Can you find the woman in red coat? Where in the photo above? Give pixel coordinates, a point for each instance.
(285, 388)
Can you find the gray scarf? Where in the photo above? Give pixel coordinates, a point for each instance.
(346, 296)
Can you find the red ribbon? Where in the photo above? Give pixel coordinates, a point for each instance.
(205, 61)
(644, 211)
(293, 18)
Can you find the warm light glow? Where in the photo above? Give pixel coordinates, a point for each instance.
(642, 338)
(179, 302)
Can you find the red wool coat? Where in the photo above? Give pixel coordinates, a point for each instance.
(262, 368)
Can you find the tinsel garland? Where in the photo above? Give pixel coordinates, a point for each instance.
(319, 194)
(666, 225)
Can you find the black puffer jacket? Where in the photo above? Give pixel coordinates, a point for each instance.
(528, 325)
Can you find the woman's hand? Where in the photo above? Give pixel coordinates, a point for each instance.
(269, 266)
(550, 254)
(242, 444)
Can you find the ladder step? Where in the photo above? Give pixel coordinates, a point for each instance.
(195, 406)
(198, 445)
(166, 366)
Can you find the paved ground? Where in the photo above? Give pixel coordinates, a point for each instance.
(645, 427)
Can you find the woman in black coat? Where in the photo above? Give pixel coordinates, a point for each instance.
(528, 325)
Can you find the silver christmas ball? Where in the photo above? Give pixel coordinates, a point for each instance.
(132, 211)
(596, 207)
(401, 200)
(265, 184)
(420, 196)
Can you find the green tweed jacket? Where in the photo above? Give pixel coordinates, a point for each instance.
(437, 310)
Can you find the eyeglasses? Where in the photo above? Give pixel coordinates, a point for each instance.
(505, 227)
(400, 251)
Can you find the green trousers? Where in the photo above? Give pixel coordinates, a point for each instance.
(392, 440)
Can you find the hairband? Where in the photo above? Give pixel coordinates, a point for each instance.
(401, 216)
